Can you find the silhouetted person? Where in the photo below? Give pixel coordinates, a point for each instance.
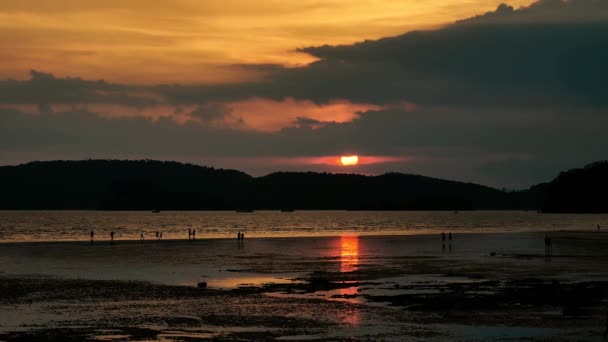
(189, 233)
(238, 236)
(193, 234)
(450, 240)
(157, 235)
(160, 235)
(92, 236)
(112, 237)
(242, 236)
(548, 245)
(598, 227)
(141, 236)
(443, 238)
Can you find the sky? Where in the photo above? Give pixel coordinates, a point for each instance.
(502, 94)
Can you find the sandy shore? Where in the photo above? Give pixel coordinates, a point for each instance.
(326, 288)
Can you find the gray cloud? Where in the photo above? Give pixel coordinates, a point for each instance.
(45, 88)
(552, 52)
(438, 142)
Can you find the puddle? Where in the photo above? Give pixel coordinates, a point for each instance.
(233, 281)
(500, 332)
(111, 337)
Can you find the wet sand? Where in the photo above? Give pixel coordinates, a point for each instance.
(324, 288)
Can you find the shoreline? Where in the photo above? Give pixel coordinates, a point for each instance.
(284, 237)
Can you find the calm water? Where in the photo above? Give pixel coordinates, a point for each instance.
(75, 225)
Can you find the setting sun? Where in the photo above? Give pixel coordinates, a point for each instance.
(349, 160)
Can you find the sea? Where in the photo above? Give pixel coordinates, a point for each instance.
(31, 226)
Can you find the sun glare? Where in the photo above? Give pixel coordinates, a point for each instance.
(349, 160)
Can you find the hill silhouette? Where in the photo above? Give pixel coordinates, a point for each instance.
(583, 190)
(149, 184)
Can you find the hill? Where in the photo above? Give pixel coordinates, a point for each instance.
(148, 184)
(583, 190)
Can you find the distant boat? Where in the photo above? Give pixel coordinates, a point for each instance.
(244, 211)
(156, 211)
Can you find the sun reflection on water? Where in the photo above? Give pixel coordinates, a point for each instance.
(349, 253)
(349, 262)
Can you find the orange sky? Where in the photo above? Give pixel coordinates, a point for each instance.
(192, 41)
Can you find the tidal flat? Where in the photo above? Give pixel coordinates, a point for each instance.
(482, 286)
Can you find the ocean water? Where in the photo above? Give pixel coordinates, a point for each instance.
(23, 226)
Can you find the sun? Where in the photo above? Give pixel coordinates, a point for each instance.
(349, 160)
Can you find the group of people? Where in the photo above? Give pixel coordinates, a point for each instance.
(159, 235)
(191, 234)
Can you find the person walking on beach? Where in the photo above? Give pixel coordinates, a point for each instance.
(160, 235)
(141, 235)
(193, 234)
(450, 240)
(548, 245)
(157, 235)
(92, 236)
(189, 233)
(443, 238)
(112, 237)
(598, 227)
(238, 235)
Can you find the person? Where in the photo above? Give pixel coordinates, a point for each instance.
(157, 235)
(238, 235)
(443, 238)
(193, 234)
(598, 227)
(450, 237)
(141, 236)
(189, 233)
(112, 237)
(242, 236)
(92, 236)
(548, 245)
(161, 235)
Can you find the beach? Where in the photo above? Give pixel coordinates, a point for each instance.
(391, 287)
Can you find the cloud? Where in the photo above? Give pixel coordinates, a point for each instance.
(45, 88)
(551, 53)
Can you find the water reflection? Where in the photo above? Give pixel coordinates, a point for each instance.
(349, 262)
(349, 253)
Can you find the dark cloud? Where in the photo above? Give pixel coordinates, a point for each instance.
(302, 121)
(211, 113)
(439, 142)
(483, 61)
(545, 11)
(45, 88)
(552, 52)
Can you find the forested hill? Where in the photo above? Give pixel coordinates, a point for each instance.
(583, 190)
(147, 185)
